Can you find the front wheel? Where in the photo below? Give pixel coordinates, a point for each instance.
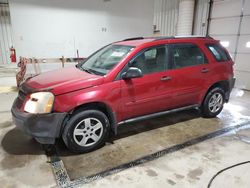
(86, 131)
(213, 103)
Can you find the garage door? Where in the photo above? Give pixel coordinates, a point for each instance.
(230, 22)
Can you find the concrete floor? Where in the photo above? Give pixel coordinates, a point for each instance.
(23, 163)
(22, 160)
(191, 167)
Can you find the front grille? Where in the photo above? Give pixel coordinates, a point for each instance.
(20, 99)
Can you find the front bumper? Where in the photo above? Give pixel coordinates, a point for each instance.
(45, 128)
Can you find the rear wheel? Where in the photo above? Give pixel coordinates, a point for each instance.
(86, 131)
(213, 103)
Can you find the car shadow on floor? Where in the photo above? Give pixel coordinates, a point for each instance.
(140, 127)
(15, 142)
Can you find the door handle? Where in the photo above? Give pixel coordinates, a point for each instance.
(205, 70)
(166, 78)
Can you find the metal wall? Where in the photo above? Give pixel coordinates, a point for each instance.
(230, 23)
(166, 16)
(185, 17)
(200, 17)
(5, 32)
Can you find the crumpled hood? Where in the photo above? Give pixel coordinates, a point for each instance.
(64, 80)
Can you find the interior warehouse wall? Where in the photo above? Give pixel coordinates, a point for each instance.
(166, 17)
(50, 29)
(201, 17)
(5, 32)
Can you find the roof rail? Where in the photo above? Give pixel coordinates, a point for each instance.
(180, 37)
(193, 36)
(164, 38)
(135, 38)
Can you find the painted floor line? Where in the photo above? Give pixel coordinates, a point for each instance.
(63, 179)
(7, 89)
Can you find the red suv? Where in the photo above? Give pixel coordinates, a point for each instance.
(123, 82)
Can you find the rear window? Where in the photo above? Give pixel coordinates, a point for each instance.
(218, 52)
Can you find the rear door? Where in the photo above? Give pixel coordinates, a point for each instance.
(191, 73)
(152, 92)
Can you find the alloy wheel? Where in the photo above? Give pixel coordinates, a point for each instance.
(88, 132)
(215, 102)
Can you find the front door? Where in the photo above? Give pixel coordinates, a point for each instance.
(152, 92)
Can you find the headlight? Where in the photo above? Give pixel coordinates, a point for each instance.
(39, 103)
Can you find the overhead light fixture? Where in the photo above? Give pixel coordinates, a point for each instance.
(248, 44)
(225, 43)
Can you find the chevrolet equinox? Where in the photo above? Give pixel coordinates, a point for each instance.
(123, 82)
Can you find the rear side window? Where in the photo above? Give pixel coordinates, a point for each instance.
(185, 55)
(218, 52)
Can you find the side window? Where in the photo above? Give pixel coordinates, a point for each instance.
(152, 60)
(218, 52)
(150, 54)
(185, 55)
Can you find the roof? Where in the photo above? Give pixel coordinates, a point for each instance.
(135, 42)
(141, 40)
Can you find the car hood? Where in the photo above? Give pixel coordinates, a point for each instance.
(63, 81)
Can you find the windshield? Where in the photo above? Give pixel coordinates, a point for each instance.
(105, 59)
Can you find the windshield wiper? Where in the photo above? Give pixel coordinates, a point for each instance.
(87, 70)
(90, 71)
(96, 72)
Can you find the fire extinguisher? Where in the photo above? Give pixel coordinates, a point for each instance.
(13, 55)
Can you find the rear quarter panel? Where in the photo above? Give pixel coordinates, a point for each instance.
(219, 71)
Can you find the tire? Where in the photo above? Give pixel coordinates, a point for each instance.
(86, 131)
(213, 103)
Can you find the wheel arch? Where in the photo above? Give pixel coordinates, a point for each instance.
(101, 106)
(225, 85)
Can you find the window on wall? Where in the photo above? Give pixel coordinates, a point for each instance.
(218, 52)
(152, 60)
(185, 55)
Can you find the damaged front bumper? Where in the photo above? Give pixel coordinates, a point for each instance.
(45, 128)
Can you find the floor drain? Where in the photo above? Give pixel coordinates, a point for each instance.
(60, 173)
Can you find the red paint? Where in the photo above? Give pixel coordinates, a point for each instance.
(130, 98)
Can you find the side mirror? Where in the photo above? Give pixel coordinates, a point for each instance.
(132, 72)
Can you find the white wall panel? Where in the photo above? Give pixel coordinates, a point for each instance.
(242, 79)
(242, 47)
(226, 8)
(50, 29)
(226, 26)
(243, 62)
(245, 26)
(247, 7)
